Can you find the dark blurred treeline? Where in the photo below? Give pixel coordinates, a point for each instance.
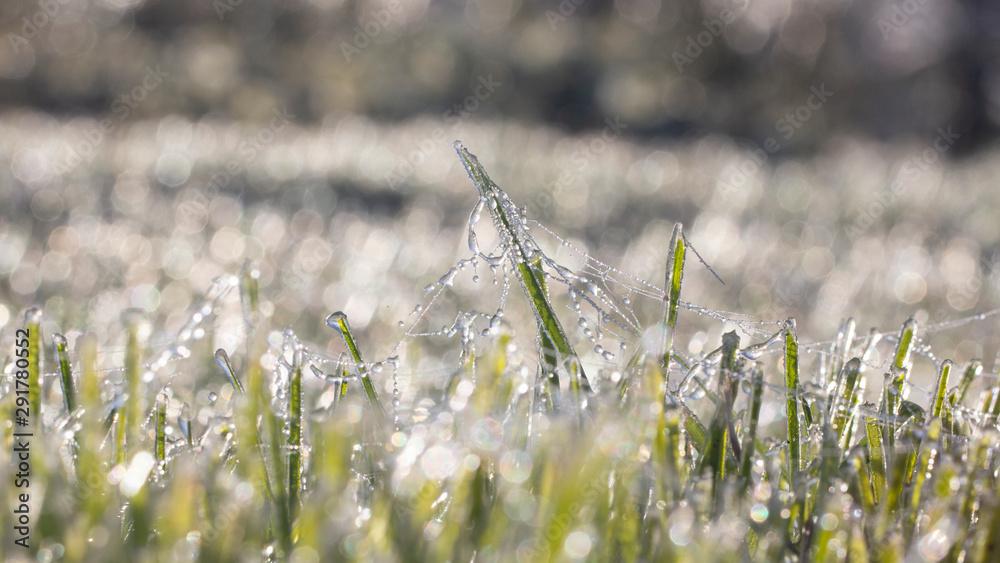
(894, 69)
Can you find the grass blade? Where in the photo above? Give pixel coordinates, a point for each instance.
(672, 290)
(753, 416)
(33, 324)
(792, 400)
(846, 403)
(876, 458)
(941, 389)
(522, 251)
(338, 322)
(66, 374)
(295, 436)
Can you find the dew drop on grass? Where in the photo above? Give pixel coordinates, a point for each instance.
(335, 319)
(33, 316)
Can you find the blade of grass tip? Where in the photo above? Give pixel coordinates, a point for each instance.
(792, 400)
(338, 322)
(839, 358)
(972, 370)
(753, 417)
(941, 389)
(899, 371)
(222, 358)
(295, 436)
(61, 348)
(504, 220)
(845, 406)
(33, 325)
(672, 291)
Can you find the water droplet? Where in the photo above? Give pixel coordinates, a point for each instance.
(33, 316)
(475, 278)
(400, 324)
(626, 301)
(429, 288)
(608, 356)
(213, 396)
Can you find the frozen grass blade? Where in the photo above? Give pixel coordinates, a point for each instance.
(33, 324)
(522, 252)
(549, 359)
(792, 399)
(892, 398)
(338, 322)
(295, 436)
(876, 458)
(846, 404)
(127, 431)
(61, 349)
(941, 389)
(672, 290)
(222, 358)
(161, 433)
(972, 370)
(753, 417)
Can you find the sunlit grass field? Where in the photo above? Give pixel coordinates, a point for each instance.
(564, 414)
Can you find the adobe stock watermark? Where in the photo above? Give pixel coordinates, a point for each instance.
(787, 126)
(365, 33)
(247, 149)
(900, 15)
(224, 7)
(453, 117)
(566, 9)
(580, 159)
(122, 108)
(31, 25)
(695, 45)
(912, 169)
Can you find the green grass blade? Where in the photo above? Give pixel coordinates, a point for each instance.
(161, 425)
(338, 322)
(33, 324)
(846, 403)
(905, 346)
(941, 389)
(876, 457)
(521, 253)
(792, 399)
(972, 370)
(222, 358)
(127, 432)
(753, 417)
(549, 359)
(295, 436)
(61, 348)
(672, 290)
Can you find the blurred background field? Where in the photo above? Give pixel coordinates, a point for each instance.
(828, 159)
